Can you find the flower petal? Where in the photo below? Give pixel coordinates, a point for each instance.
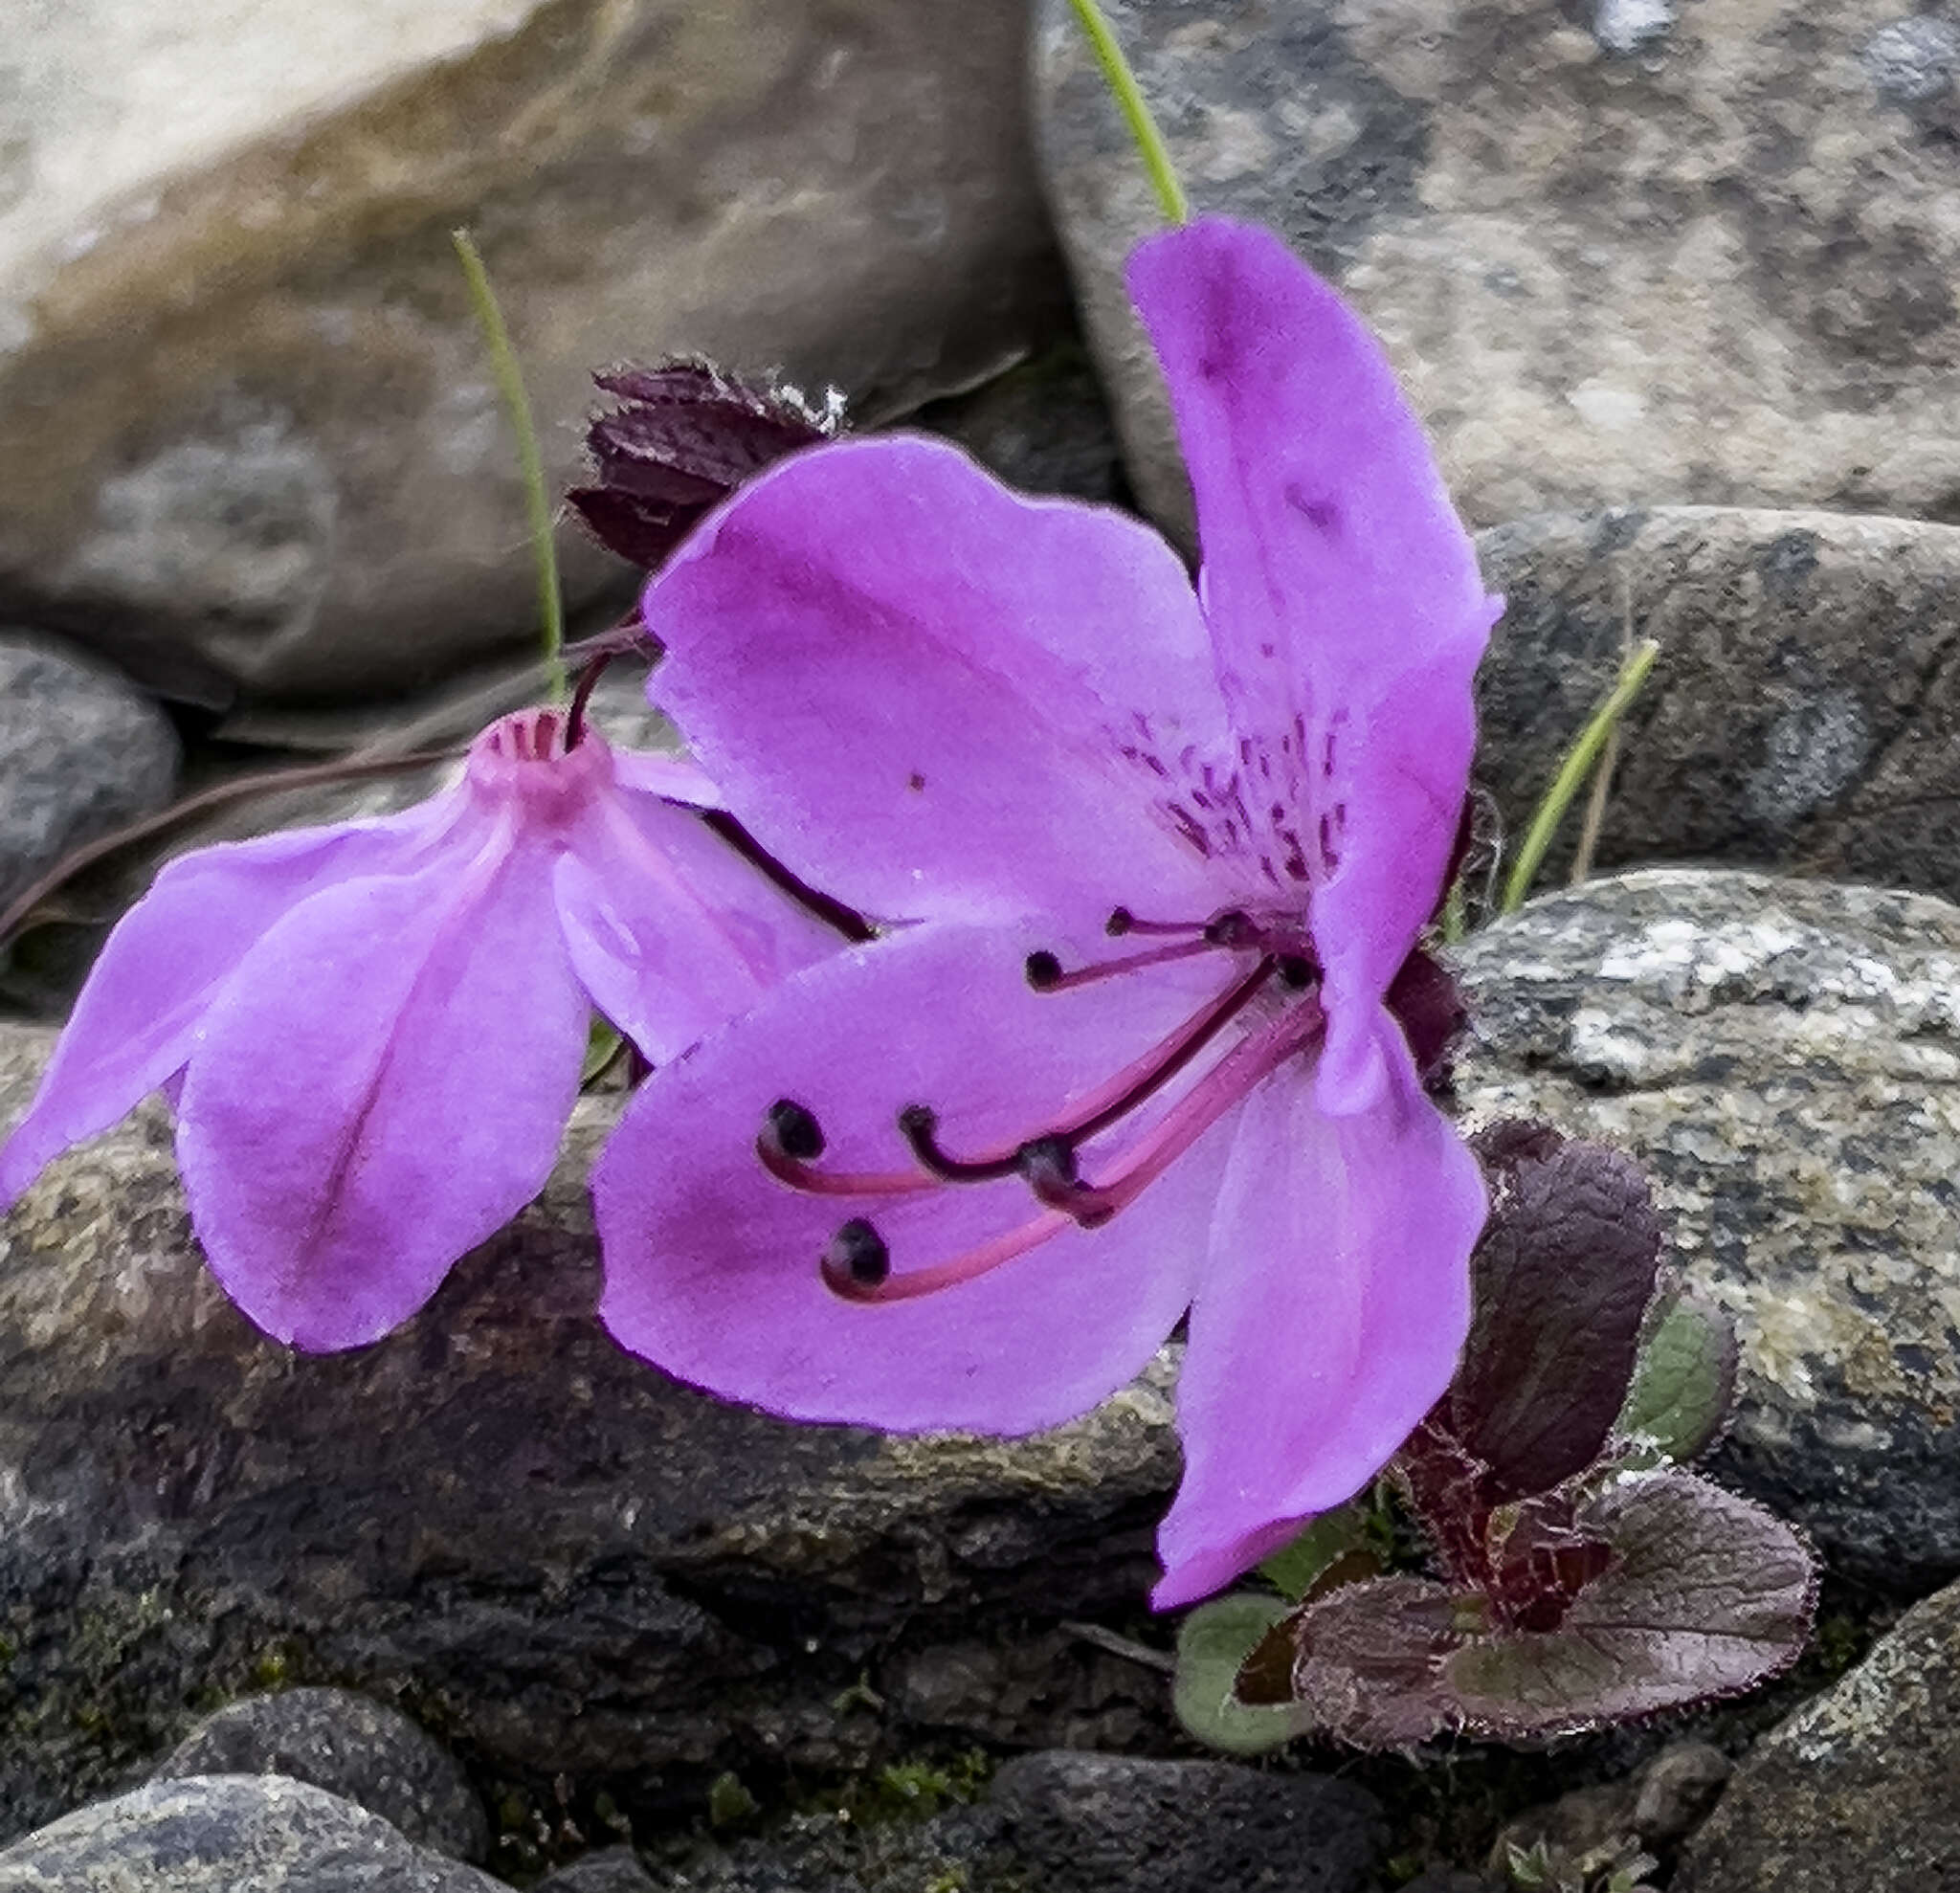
(672, 777)
(1342, 591)
(672, 932)
(380, 1087)
(133, 1024)
(712, 1265)
(1329, 1322)
(931, 697)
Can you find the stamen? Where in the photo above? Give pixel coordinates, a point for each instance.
(1134, 1085)
(1045, 973)
(857, 1254)
(797, 1130)
(1049, 1166)
(1221, 1087)
(857, 1265)
(791, 1142)
(918, 1126)
(980, 1259)
(1121, 921)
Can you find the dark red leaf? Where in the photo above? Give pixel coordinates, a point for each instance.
(1560, 1280)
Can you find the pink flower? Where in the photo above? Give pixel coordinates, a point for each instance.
(373, 1031)
(970, 1175)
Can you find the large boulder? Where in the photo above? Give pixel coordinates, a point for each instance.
(1620, 252)
(252, 444)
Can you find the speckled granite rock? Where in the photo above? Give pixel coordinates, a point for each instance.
(229, 1834)
(80, 753)
(551, 1556)
(361, 1750)
(1855, 1790)
(252, 442)
(1619, 252)
(1784, 1059)
(1805, 708)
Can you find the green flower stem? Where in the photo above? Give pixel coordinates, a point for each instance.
(1579, 760)
(1129, 96)
(517, 406)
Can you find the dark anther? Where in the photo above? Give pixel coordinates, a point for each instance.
(857, 1251)
(1120, 922)
(1045, 970)
(1295, 971)
(1049, 1166)
(1231, 928)
(1049, 1160)
(918, 1125)
(797, 1130)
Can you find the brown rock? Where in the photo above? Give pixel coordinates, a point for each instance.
(252, 442)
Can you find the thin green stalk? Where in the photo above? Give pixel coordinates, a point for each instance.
(517, 406)
(1129, 98)
(1579, 760)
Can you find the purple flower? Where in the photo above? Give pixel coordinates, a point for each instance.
(372, 1031)
(971, 1174)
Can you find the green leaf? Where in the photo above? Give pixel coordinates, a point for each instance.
(1211, 1643)
(1295, 1568)
(1684, 1380)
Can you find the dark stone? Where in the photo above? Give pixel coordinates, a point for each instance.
(556, 1559)
(1804, 711)
(359, 1750)
(1855, 1790)
(610, 1870)
(229, 1834)
(1044, 427)
(1085, 1823)
(80, 753)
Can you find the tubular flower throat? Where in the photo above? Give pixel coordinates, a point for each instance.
(1162, 859)
(372, 1031)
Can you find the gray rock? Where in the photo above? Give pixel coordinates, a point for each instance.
(1856, 1789)
(560, 1559)
(610, 1870)
(229, 1834)
(1622, 250)
(1784, 1059)
(1802, 710)
(80, 753)
(253, 446)
(361, 1750)
(1084, 1823)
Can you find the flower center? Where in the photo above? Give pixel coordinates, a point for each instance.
(531, 757)
(856, 1263)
